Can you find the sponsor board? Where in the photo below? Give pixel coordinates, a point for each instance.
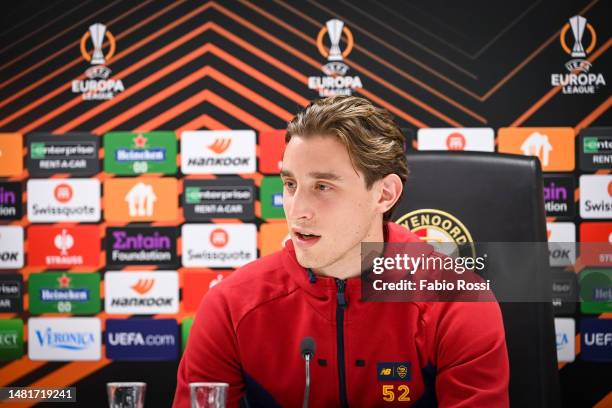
(271, 148)
(99, 84)
(218, 152)
(11, 247)
(185, 330)
(564, 292)
(11, 154)
(61, 292)
(11, 293)
(141, 246)
(64, 339)
(272, 237)
(64, 247)
(595, 290)
(596, 243)
(72, 153)
(559, 196)
(271, 197)
(232, 197)
(137, 292)
(553, 146)
(580, 78)
(596, 339)
(64, 200)
(11, 339)
(197, 284)
(561, 243)
(141, 199)
(10, 201)
(565, 332)
(336, 79)
(142, 339)
(595, 149)
(129, 153)
(456, 139)
(218, 245)
(595, 196)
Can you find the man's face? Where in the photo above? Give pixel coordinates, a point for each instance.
(329, 211)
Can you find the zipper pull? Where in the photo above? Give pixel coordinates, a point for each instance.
(340, 293)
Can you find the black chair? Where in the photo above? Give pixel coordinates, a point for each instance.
(498, 198)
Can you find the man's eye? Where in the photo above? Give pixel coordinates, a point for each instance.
(323, 187)
(289, 184)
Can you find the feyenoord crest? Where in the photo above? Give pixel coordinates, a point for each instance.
(336, 82)
(579, 79)
(99, 86)
(440, 229)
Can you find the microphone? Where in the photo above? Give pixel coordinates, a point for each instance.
(307, 350)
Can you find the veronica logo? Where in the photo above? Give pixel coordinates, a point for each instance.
(64, 339)
(565, 330)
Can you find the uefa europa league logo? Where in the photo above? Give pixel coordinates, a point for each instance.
(578, 23)
(334, 30)
(97, 36)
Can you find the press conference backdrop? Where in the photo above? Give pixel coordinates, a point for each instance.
(141, 143)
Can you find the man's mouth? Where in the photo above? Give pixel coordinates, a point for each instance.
(306, 239)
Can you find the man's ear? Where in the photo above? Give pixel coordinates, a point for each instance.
(391, 188)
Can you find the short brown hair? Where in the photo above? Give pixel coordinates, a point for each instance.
(374, 141)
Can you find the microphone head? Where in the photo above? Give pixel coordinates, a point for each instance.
(307, 346)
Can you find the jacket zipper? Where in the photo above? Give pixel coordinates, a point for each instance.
(341, 306)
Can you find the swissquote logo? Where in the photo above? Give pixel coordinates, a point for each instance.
(218, 152)
(596, 196)
(336, 81)
(141, 292)
(99, 86)
(456, 139)
(580, 79)
(64, 200)
(218, 245)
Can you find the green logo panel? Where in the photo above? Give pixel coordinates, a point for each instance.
(596, 291)
(185, 329)
(128, 153)
(271, 196)
(590, 145)
(59, 292)
(11, 339)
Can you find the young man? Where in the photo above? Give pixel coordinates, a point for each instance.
(343, 172)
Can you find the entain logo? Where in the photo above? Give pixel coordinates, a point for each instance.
(99, 86)
(580, 79)
(335, 81)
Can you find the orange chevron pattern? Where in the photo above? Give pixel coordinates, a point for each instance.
(220, 66)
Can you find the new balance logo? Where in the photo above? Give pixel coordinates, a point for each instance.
(143, 286)
(220, 145)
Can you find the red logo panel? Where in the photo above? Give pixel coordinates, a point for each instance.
(196, 284)
(596, 243)
(64, 247)
(271, 148)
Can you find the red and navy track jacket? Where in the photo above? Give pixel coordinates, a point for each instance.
(248, 330)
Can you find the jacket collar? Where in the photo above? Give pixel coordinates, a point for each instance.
(324, 287)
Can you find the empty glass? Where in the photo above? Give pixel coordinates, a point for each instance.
(126, 394)
(208, 395)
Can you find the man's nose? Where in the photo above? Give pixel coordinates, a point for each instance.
(300, 205)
